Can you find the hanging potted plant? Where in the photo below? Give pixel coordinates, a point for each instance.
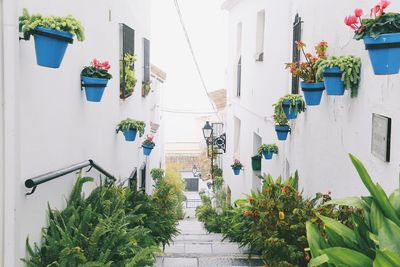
(148, 145)
(312, 86)
(282, 127)
(268, 150)
(95, 78)
(339, 73)
(51, 34)
(236, 167)
(130, 128)
(256, 162)
(381, 35)
(291, 105)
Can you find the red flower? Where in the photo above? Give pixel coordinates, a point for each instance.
(149, 138)
(358, 12)
(350, 20)
(284, 189)
(384, 4)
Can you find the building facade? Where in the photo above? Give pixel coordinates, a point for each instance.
(261, 37)
(46, 123)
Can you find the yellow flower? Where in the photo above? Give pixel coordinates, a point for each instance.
(281, 215)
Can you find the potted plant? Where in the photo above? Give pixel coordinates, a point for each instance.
(256, 162)
(127, 74)
(339, 73)
(51, 34)
(148, 145)
(282, 127)
(312, 85)
(291, 105)
(130, 127)
(146, 88)
(236, 167)
(95, 78)
(268, 150)
(381, 35)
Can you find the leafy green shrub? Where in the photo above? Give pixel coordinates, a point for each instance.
(374, 241)
(173, 177)
(127, 73)
(208, 215)
(296, 101)
(273, 148)
(28, 23)
(350, 67)
(131, 124)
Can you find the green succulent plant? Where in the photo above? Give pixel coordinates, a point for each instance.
(272, 148)
(131, 124)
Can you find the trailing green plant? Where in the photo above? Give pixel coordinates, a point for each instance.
(374, 239)
(97, 70)
(28, 23)
(296, 101)
(131, 124)
(350, 67)
(127, 73)
(271, 148)
(94, 232)
(280, 118)
(146, 87)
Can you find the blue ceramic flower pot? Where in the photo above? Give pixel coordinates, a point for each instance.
(236, 171)
(282, 131)
(94, 88)
(312, 92)
(147, 150)
(50, 46)
(290, 110)
(384, 53)
(130, 135)
(333, 81)
(268, 154)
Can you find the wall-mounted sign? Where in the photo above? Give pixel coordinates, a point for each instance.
(381, 132)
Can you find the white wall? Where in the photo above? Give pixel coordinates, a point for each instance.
(49, 124)
(324, 135)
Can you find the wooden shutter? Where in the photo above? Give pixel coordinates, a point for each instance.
(127, 46)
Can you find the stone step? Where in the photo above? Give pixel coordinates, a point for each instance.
(207, 261)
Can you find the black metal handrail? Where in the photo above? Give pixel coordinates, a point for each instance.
(37, 180)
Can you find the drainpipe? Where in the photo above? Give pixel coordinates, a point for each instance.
(10, 135)
(1, 141)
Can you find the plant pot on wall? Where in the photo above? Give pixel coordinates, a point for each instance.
(282, 131)
(333, 81)
(147, 149)
(130, 135)
(290, 109)
(236, 171)
(256, 163)
(268, 154)
(50, 46)
(94, 88)
(312, 92)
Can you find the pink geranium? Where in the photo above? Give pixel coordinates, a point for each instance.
(100, 65)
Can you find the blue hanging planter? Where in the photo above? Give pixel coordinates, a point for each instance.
(333, 81)
(147, 150)
(130, 135)
(94, 88)
(50, 46)
(384, 53)
(282, 131)
(289, 109)
(268, 154)
(236, 171)
(312, 92)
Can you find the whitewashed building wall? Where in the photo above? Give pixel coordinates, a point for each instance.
(323, 136)
(46, 122)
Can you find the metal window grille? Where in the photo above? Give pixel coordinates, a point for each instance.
(127, 46)
(296, 53)
(239, 77)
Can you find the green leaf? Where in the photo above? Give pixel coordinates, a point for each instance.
(389, 236)
(318, 261)
(349, 201)
(341, 230)
(386, 258)
(395, 201)
(347, 257)
(315, 240)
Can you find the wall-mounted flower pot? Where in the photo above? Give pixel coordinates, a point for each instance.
(333, 81)
(282, 131)
(290, 110)
(312, 92)
(256, 163)
(130, 135)
(384, 53)
(268, 154)
(147, 150)
(50, 46)
(94, 88)
(236, 171)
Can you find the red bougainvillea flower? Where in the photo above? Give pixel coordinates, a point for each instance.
(358, 12)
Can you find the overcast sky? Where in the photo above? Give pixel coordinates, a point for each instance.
(206, 25)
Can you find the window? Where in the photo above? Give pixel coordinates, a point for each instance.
(146, 65)
(143, 177)
(296, 53)
(260, 36)
(239, 60)
(127, 59)
(237, 130)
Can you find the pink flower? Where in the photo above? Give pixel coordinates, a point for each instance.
(149, 137)
(350, 20)
(384, 4)
(358, 12)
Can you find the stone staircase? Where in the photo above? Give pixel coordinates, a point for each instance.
(195, 247)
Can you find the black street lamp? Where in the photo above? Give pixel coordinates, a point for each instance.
(207, 131)
(195, 172)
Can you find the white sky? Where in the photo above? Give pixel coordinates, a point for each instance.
(205, 23)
